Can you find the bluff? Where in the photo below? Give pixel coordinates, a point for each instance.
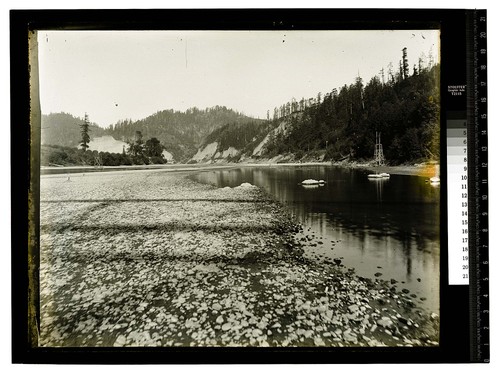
(341, 125)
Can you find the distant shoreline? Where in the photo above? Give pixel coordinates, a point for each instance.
(423, 169)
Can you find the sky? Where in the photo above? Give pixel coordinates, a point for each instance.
(116, 75)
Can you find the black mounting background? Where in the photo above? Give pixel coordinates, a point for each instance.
(455, 309)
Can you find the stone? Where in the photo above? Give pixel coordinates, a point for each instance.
(216, 306)
(353, 308)
(322, 309)
(120, 340)
(256, 332)
(350, 316)
(385, 322)
(349, 337)
(318, 341)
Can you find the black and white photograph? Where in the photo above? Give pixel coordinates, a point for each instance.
(238, 188)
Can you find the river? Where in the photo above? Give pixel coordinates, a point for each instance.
(386, 227)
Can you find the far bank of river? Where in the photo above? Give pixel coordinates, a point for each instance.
(424, 169)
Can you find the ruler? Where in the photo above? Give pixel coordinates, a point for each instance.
(478, 189)
(467, 186)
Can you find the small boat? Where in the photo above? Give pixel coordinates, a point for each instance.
(379, 175)
(435, 181)
(310, 181)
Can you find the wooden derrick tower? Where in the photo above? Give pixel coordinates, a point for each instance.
(379, 152)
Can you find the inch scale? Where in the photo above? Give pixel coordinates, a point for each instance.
(467, 174)
(479, 259)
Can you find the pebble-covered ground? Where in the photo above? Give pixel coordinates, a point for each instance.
(152, 258)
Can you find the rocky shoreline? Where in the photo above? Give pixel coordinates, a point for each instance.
(155, 259)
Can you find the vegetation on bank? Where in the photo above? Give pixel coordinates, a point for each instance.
(138, 152)
(337, 126)
(52, 155)
(343, 124)
(64, 129)
(68, 156)
(180, 132)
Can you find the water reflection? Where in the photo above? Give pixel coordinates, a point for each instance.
(389, 226)
(379, 185)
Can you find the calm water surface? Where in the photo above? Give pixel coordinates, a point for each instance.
(376, 226)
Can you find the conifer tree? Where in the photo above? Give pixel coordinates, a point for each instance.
(85, 133)
(406, 68)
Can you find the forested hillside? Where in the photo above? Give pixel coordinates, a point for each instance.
(179, 132)
(63, 129)
(342, 123)
(338, 125)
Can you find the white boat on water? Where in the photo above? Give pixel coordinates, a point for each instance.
(379, 175)
(435, 180)
(311, 181)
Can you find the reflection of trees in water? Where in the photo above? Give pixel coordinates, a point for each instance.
(390, 223)
(406, 240)
(379, 186)
(402, 207)
(406, 246)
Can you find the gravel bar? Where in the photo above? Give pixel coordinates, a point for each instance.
(156, 259)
